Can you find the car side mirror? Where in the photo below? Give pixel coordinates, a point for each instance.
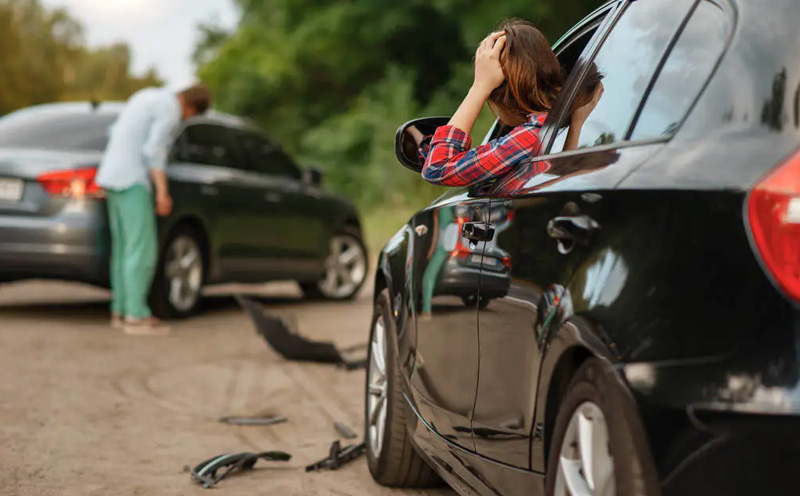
(409, 138)
(313, 176)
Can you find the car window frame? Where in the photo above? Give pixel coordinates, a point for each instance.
(730, 12)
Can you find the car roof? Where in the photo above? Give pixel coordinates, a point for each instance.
(111, 108)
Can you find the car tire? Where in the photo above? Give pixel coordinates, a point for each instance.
(469, 301)
(347, 258)
(180, 275)
(392, 459)
(597, 414)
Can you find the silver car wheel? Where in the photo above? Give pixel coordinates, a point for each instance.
(345, 268)
(184, 272)
(585, 464)
(378, 385)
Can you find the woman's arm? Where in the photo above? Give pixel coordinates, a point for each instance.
(488, 76)
(451, 162)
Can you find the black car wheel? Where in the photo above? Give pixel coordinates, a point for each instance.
(597, 443)
(345, 268)
(391, 458)
(178, 283)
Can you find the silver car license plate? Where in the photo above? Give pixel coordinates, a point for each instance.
(11, 190)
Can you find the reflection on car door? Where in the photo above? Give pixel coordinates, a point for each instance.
(553, 223)
(445, 270)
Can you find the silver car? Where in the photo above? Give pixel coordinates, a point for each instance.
(244, 211)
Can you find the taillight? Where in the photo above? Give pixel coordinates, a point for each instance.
(460, 250)
(74, 183)
(773, 210)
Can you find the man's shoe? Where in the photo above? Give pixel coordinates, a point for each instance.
(145, 327)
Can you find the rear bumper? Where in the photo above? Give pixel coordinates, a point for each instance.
(723, 426)
(73, 245)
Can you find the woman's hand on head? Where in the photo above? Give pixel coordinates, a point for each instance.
(582, 113)
(488, 70)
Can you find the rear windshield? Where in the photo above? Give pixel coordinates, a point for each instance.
(56, 129)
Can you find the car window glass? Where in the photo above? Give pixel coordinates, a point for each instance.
(209, 145)
(628, 60)
(685, 72)
(267, 157)
(56, 129)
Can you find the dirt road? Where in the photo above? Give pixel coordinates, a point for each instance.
(86, 410)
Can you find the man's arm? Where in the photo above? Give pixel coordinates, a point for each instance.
(155, 152)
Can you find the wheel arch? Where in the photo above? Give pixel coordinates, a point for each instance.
(576, 341)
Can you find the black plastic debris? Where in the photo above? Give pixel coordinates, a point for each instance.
(338, 456)
(344, 430)
(257, 420)
(205, 473)
(291, 345)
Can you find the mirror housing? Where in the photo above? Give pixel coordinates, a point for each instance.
(410, 135)
(313, 176)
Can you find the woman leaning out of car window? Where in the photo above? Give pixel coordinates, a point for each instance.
(520, 77)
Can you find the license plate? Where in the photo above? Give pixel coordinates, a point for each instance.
(475, 259)
(489, 261)
(11, 190)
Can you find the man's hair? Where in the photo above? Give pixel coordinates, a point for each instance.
(533, 73)
(197, 97)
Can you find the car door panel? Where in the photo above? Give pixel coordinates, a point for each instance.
(513, 329)
(292, 216)
(445, 272)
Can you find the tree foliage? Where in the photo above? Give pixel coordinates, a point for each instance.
(333, 79)
(44, 58)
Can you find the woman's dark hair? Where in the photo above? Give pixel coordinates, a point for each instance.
(533, 73)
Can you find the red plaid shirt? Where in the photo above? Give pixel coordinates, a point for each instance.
(450, 162)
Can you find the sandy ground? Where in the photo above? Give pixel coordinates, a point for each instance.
(86, 410)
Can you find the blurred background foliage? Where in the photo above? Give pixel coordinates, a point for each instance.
(44, 58)
(333, 79)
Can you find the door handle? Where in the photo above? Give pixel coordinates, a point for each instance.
(209, 190)
(273, 197)
(571, 230)
(478, 231)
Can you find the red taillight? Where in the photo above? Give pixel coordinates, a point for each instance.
(774, 213)
(461, 250)
(72, 183)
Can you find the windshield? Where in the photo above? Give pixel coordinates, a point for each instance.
(56, 129)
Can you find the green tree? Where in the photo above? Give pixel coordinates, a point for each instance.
(333, 79)
(44, 58)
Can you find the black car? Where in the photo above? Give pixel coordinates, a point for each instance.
(649, 338)
(243, 210)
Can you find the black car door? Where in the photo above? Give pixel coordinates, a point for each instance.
(292, 213)
(444, 275)
(553, 222)
(214, 173)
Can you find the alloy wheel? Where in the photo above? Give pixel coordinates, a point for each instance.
(585, 464)
(345, 268)
(184, 272)
(378, 386)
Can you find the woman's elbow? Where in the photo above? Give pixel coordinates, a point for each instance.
(432, 174)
